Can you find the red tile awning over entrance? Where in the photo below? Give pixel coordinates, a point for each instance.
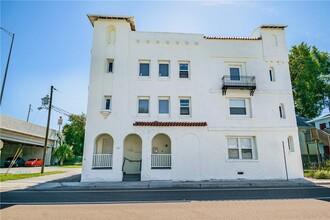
(170, 124)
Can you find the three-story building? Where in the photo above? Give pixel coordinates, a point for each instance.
(188, 107)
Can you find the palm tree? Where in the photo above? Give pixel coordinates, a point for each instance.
(64, 152)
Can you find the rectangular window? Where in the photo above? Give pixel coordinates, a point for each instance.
(234, 73)
(233, 151)
(290, 144)
(237, 107)
(164, 106)
(143, 106)
(107, 103)
(144, 69)
(271, 75)
(163, 70)
(241, 148)
(184, 106)
(246, 148)
(281, 111)
(184, 70)
(110, 66)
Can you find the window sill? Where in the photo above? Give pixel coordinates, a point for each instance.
(163, 116)
(102, 168)
(164, 78)
(160, 168)
(185, 116)
(141, 115)
(144, 78)
(105, 113)
(239, 117)
(243, 160)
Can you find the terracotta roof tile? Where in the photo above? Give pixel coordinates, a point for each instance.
(170, 124)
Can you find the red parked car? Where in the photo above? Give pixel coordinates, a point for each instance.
(33, 162)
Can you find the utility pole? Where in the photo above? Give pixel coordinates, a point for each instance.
(47, 129)
(5, 77)
(28, 116)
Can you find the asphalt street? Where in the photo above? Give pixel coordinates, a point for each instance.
(97, 196)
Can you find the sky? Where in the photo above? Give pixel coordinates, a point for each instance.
(53, 40)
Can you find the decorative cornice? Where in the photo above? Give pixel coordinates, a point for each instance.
(231, 38)
(170, 124)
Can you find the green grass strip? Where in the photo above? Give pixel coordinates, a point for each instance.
(71, 166)
(14, 176)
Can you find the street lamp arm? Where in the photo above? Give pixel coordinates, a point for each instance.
(7, 32)
(7, 65)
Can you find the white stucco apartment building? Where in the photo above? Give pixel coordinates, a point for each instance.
(188, 107)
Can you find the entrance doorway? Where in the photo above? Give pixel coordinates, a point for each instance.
(132, 161)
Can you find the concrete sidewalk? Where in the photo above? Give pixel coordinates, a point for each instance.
(36, 182)
(171, 184)
(60, 182)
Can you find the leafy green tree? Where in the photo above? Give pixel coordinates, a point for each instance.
(74, 133)
(309, 69)
(64, 152)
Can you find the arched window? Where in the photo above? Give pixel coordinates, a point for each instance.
(111, 35)
(274, 40)
(271, 74)
(161, 152)
(290, 144)
(281, 110)
(102, 157)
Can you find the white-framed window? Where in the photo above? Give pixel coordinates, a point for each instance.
(241, 148)
(185, 108)
(184, 69)
(144, 68)
(271, 74)
(164, 69)
(110, 65)
(281, 111)
(290, 144)
(143, 105)
(239, 107)
(107, 103)
(164, 105)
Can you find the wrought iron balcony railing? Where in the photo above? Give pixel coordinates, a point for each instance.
(238, 82)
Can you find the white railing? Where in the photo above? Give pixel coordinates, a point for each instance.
(160, 160)
(102, 160)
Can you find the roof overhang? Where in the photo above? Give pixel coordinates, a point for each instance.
(320, 118)
(129, 19)
(273, 26)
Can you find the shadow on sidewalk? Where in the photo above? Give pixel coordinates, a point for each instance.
(73, 178)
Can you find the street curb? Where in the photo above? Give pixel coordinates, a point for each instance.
(170, 184)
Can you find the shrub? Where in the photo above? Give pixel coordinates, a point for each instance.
(322, 174)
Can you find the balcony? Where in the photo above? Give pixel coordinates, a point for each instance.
(239, 82)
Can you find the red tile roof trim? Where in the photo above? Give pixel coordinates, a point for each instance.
(170, 124)
(232, 38)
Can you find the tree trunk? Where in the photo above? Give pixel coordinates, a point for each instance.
(62, 161)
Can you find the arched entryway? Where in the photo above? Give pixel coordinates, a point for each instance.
(132, 160)
(103, 151)
(161, 152)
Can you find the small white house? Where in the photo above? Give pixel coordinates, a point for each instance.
(189, 107)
